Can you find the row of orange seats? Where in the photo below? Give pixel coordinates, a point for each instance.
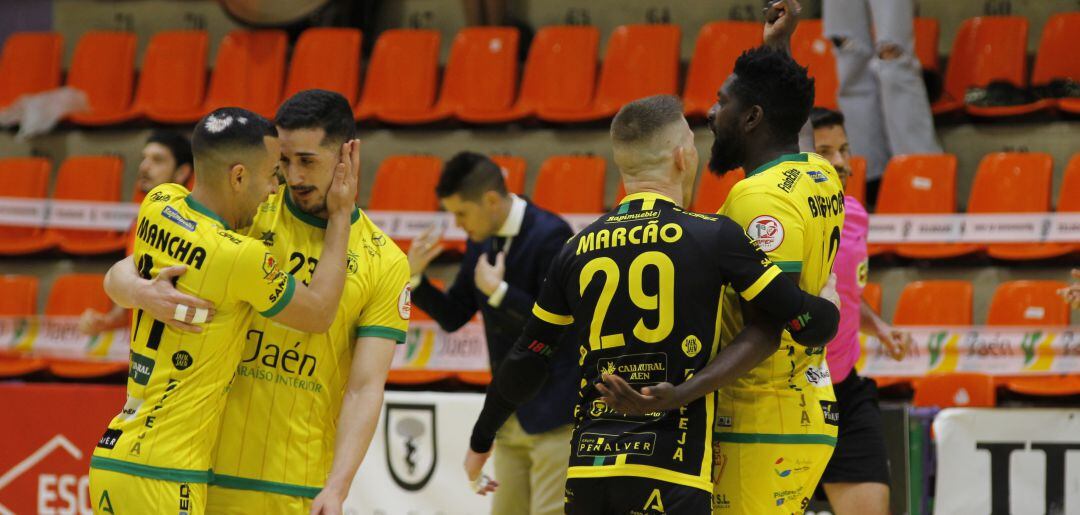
(70, 296)
(950, 303)
(920, 184)
(559, 82)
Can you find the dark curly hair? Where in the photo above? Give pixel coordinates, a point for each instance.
(770, 78)
(319, 109)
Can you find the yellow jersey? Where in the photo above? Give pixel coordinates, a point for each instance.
(177, 380)
(280, 420)
(794, 208)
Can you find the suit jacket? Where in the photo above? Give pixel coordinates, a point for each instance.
(541, 237)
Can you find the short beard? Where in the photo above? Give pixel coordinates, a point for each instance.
(724, 156)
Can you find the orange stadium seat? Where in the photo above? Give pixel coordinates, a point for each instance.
(491, 53)
(811, 49)
(926, 43)
(1028, 303)
(406, 183)
(249, 72)
(172, 82)
(988, 49)
(1032, 304)
(24, 177)
(402, 77)
(89, 178)
(856, 182)
(641, 60)
(872, 295)
(935, 303)
(29, 63)
(712, 190)
(71, 295)
(104, 67)
(513, 169)
(920, 184)
(18, 295)
(718, 45)
(1055, 59)
(310, 67)
(1069, 196)
(1008, 182)
(560, 75)
(571, 184)
(968, 390)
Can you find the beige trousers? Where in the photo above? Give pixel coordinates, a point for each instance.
(531, 470)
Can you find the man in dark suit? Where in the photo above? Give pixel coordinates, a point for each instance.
(511, 245)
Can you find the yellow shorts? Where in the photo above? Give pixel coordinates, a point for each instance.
(122, 494)
(767, 477)
(231, 501)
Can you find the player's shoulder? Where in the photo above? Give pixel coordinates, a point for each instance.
(375, 243)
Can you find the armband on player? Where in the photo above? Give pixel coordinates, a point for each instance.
(817, 325)
(518, 378)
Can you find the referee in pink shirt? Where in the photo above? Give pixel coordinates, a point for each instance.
(856, 480)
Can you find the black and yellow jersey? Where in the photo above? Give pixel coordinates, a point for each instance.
(177, 380)
(639, 292)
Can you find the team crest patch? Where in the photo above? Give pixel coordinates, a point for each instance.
(404, 303)
(817, 176)
(767, 231)
(269, 266)
(410, 444)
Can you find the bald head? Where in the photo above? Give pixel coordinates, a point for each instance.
(645, 134)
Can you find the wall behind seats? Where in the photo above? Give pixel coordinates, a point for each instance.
(72, 18)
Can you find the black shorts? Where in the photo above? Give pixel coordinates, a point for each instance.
(860, 455)
(634, 496)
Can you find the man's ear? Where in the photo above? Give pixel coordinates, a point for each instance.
(679, 156)
(182, 174)
(238, 177)
(491, 199)
(753, 118)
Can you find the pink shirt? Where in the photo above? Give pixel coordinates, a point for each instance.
(850, 267)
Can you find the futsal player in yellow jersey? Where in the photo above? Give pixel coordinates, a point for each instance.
(156, 455)
(776, 426)
(302, 407)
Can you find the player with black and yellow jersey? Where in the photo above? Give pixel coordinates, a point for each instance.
(156, 455)
(775, 426)
(639, 292)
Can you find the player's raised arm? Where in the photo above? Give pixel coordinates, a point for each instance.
(313, 307)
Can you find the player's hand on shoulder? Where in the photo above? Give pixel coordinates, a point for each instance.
(162, 301)
(623, 398)
(829, 293)
(341, 198)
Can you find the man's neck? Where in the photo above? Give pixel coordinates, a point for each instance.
(218, 206)
(505, 207)
(757, 157)
(671, 191)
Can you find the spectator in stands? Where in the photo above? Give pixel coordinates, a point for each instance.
(166, 157)
(881, 86)
(511, 245)
(295, 16)
(1072, 293)
(857, 477)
